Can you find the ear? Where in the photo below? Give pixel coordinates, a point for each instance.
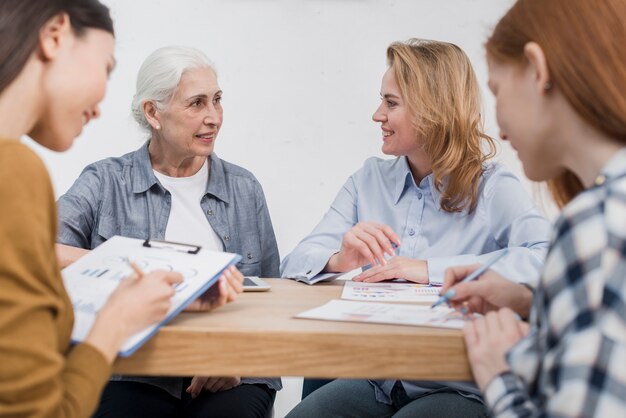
(538, 67)
(152, 115)
(53, 34)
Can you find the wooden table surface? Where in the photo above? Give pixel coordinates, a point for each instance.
(258, 336)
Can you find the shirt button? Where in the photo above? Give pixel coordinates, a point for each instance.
(249, 256)
(419, 195)
(209, 212)
(411, 232)
(600, 180)
(226, 237)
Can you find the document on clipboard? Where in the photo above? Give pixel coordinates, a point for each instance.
(91, 280)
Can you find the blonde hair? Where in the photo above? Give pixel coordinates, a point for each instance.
(581, 40)
(438, 83)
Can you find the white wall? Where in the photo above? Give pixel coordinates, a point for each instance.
(301, 79)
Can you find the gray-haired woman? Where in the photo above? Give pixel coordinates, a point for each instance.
(174, 187)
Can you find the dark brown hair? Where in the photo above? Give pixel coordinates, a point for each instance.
(21, 21)
(582, 41)
(438, 83)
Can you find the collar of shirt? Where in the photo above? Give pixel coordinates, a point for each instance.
(404, 179)
(613, 169)
(143, 177)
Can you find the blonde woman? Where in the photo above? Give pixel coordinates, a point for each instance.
(438, 204)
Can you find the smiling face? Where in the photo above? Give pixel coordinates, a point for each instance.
(73, 85)
(191, 120)
(399, 135)
(527, 120)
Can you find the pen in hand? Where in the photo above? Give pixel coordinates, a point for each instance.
(476, 274)
(135, 267)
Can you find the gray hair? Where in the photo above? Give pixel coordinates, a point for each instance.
(160, 74)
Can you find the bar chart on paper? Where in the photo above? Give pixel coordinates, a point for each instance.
(94, 277)
(390, 292)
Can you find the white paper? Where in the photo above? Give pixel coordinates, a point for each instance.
(390, 292)
(386, 313)
(91, 280)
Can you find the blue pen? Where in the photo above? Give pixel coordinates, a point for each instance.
(475, 275)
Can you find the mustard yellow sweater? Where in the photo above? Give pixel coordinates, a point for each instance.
(40, 374)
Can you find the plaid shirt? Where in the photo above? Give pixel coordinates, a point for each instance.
(573, 362)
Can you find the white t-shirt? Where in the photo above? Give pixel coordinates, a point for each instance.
(187, 222)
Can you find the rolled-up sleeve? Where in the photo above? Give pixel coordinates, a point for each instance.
(78, 209)
(514, 223)
(269, 248)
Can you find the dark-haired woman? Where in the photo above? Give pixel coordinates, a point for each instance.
(55, 57)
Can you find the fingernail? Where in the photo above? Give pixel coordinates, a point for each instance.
(450, 293)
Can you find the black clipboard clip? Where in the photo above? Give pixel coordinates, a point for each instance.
(171, 245)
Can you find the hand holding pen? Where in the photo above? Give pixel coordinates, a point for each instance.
(450, 293)
(138, 272)
(137, 302)
(489, 292)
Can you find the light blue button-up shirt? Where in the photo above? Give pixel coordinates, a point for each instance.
(384, 191)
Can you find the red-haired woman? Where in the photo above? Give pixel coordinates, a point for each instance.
(558, 74)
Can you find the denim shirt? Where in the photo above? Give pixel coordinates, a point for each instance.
(122, 196)
(384, 191)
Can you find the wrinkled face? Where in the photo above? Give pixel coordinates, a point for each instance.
(73, 85)
(192, 119)
(525, 120)
(399, 135)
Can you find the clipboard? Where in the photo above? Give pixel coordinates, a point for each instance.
(91, 280)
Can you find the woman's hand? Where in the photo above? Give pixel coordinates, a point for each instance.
(136, 303)
(487, 293)
(229, 285)
(365, 243)
(212, 384)
(488, 340)
(396, 268)
(67, 254)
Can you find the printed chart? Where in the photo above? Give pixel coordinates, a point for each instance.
(390, 292)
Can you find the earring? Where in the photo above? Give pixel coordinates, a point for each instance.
(158, 127)
(548, 86)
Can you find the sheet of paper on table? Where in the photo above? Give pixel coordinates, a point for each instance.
(385, 313)
(390, 292)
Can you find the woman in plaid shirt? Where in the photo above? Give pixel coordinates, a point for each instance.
(558, 74)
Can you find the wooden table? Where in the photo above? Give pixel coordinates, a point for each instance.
(258, 336)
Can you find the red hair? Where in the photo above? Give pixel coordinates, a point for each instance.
(582, 41)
